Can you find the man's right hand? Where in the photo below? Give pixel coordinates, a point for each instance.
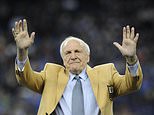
(22, 38)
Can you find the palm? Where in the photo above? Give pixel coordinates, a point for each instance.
(128, 47)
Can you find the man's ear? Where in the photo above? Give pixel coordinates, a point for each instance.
(63, 60)
(88, 58)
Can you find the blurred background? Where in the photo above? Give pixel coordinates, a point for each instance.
(97, 22)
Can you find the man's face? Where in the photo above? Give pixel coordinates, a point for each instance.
(75, 58)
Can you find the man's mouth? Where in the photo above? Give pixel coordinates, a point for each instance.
(74, 62)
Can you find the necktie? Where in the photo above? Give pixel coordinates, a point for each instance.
(77, 98)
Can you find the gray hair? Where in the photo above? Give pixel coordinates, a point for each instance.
(82, 43)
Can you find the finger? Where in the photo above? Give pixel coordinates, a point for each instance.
(16, 27)
(25, 25)
(13, 32)
(127, 32)
(132, 33)
(118, 46)
(136, 37)
(20, 26)
(124, 33)
(32, 36)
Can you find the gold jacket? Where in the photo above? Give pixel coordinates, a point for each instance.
(106, 83)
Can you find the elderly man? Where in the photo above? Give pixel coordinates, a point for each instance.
(76, 88)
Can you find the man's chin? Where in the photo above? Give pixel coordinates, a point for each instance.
(75, 71)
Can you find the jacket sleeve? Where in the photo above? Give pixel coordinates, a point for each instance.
(29, 78)
(124, 84)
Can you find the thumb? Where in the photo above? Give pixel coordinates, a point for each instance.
(118, 46)
(32, 36)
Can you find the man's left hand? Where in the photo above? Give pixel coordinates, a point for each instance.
(129, 43)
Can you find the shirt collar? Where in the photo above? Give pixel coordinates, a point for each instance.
(83, 75)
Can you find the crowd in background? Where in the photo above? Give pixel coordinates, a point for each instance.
(97, 22)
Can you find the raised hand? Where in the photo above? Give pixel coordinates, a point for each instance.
(129, 43)
(21, 36)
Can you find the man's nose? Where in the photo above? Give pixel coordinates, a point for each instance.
(73, 55)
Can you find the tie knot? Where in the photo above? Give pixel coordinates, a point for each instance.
(77, 77)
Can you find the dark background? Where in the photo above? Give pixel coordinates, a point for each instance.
(97, 22)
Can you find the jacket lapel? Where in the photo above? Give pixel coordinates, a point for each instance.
(63, 78)
(94, 80)
(92, 74)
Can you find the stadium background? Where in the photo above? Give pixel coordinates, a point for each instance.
(98, 22)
